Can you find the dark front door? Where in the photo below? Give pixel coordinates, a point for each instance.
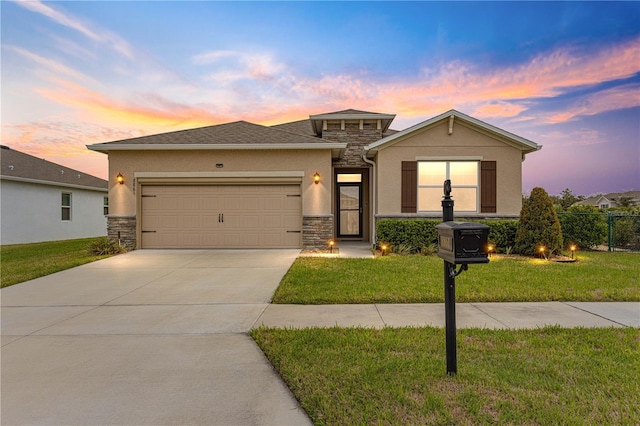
(349, 205)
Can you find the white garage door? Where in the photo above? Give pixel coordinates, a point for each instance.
(221, 216)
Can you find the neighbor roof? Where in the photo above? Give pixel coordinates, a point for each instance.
(16, 165)
(521, 143)
(235, 135)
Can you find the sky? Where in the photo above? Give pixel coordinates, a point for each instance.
(565, 75)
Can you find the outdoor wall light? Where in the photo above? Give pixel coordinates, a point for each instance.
(120, 178)
(316, 178)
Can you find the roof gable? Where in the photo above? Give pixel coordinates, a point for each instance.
(19, 166)
(521, 143)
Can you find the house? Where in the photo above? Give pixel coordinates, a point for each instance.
(44, 201)
(303, 183)
(612, 199)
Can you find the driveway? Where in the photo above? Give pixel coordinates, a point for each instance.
(148, 337)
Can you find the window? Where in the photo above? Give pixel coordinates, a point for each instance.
(604, 206)
(66, 206)
(105, 209)
(464, 184)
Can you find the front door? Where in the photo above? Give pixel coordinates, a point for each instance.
(349, 186)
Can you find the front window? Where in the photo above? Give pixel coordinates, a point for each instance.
(464, 184)
(66, 206)
(105, 208)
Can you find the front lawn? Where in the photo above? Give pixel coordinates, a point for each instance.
(398, 376)
(594, 277)
(23, 262)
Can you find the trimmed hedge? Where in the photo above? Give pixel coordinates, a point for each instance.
(421, 233)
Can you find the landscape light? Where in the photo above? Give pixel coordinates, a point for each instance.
(331, 243)
(573, 249)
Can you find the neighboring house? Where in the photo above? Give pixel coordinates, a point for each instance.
(44, 201)
(303, 183)
(612, 199)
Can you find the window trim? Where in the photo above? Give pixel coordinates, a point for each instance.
(448, 162)
(64, 207)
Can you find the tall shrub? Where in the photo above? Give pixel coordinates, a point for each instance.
(584, 226)
(539, 225)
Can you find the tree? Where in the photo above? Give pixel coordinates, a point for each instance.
(625, 201)
(539, 225)
(584, 226)
(566, 199)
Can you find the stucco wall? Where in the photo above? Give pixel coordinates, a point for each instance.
(465, 142)
(32, 213)
(316, 198)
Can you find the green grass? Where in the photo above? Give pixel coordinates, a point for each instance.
(23, 262)
(419, 279)
(398, 376)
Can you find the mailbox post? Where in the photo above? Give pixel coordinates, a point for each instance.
(459, 243)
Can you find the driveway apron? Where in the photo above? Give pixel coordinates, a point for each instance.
(148, 337)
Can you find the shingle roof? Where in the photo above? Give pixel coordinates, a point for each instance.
(237, 132)
(20, 166)
(301, 127)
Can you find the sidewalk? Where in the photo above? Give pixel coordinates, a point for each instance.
(468, 315)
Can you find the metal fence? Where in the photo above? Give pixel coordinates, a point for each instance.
(612, 231)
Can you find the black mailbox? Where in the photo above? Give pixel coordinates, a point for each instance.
(462, 243)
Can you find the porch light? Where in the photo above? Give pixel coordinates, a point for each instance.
(316, 178)
(120, 178)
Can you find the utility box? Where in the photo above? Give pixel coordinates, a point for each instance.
(461, 243)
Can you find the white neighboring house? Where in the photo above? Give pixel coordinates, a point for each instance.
(44, 201)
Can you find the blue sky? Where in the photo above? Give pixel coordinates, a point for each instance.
(565, 75)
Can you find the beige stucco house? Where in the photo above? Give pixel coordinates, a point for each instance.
(301, 184)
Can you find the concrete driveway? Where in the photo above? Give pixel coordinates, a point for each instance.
(148, 337)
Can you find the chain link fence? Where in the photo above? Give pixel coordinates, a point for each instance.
(612, 231)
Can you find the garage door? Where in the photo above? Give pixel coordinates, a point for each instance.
(221, 216)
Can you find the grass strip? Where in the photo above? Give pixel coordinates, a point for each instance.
(23, 262)
(419, 279)
(398, 376)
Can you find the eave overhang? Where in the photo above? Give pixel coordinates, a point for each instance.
(337, 149)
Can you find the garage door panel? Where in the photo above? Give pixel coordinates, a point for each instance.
(225, 216)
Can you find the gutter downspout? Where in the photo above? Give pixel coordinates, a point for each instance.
(373, 197)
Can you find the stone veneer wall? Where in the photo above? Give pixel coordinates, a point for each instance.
(316, 232)
(355, 138)
(125, 226)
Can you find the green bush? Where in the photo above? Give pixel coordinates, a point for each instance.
(415, 233)
(583, 226)
(421, 236)
(539, 225)
(502, 233)
(104, 246)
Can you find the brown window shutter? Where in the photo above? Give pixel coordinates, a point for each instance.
(488, 191)
(409, 187)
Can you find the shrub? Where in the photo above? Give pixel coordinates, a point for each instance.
(421, 236)
(623, 231)
(414, 233)
(539, 225)
(502, 233)
(105, 246)
(583, 226)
